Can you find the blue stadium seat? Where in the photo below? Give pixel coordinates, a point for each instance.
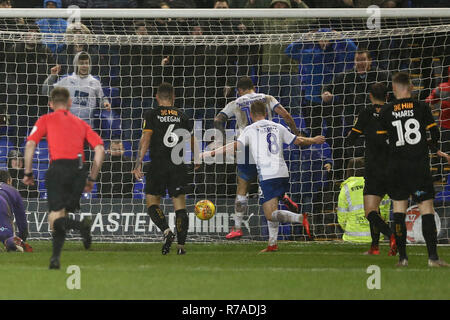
(110, 125)
(3, 165)
(5, 147)
(41, 153)
(138, 190)
(113, 94)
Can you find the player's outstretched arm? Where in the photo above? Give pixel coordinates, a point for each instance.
(304, 141)
(30, 147)
(230, 147)
(282, 112)
(144, 143)
(99, 156)
(219, 123)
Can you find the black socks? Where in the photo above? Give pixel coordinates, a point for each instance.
(158, 217)
(377, 223)
(59, 234)
(182, 224)
(72, 224)
(400, 234)
(430, 235)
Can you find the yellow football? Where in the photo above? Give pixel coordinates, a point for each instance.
(205, 209)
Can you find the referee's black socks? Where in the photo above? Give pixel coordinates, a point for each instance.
(182, 223)
(430, 235)
(72, 224)
(377, 223)
(59, 234)
(158, 217)
(400, 234)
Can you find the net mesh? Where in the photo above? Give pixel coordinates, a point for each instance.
(203, 59)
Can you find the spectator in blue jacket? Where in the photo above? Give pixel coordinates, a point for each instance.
(318, 63)
(52, 25)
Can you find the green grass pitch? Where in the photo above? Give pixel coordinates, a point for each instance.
(300, 270)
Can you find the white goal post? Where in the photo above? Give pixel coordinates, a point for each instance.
(203, 52)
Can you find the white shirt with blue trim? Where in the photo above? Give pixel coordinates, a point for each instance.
(240, 108)
(265, 139)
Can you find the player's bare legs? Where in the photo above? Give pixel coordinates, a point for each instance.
(240, 208)
(158, 218)
(429, 232)
(399, 209)
(182, 221)
(377, 225)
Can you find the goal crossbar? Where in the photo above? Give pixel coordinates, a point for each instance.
(227, 13)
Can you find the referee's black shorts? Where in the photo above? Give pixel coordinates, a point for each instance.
(65, 183)
(410, 178)
(166, 176)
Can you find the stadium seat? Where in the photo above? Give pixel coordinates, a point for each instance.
(138, 190)
(41, 153)
(5, 147)
(110, 124)
(113, 94)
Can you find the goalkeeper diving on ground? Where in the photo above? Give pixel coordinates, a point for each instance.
(265, 140)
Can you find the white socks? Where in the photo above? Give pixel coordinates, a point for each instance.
(284, 216)
(240, 208)
(273, 232)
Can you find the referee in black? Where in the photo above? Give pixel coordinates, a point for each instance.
(66, 178)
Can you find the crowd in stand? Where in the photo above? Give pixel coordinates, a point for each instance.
(323, 84)
(235, 3)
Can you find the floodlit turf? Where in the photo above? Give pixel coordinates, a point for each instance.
(221, 271)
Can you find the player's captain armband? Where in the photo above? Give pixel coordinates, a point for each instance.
(382, 132)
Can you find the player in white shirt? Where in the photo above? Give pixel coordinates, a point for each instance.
(84, 89)
(265, 140)
(240, 108)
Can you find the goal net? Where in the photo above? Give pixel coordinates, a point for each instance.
(317, 63)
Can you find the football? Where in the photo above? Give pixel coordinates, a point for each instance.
(205, 209)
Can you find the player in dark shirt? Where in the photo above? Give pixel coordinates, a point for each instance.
(376, 159)
(406, 121)
(166, 130)
(11, 208)
(66, 177)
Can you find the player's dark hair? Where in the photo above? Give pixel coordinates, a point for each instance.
(258, 108)
(402, 78)
(355, 168)
(245, 83)
(379, 91)
(165, 91)
(215, 1)
(364, 51)
(4, 176)
(83, 56)
(60, 95)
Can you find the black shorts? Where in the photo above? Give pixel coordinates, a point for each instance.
(65, 183)
(376, 184)
(410, 178)
(162, 176)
